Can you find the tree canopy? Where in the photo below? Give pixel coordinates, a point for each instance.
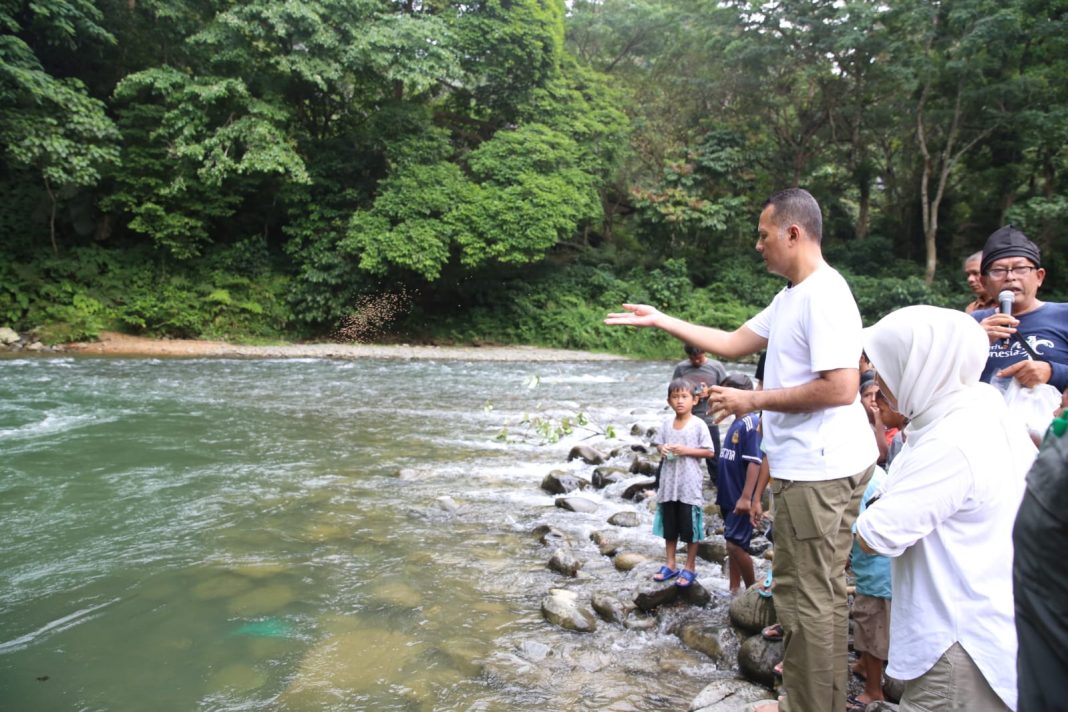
(258, 161)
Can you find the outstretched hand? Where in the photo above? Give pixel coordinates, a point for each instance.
(1028, 373)
(635, 315)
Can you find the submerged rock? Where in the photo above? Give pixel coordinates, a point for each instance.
(626, 518)
(607, 542)
(550, 535)
(609, 608)
(563, 482)
(562, 608)
(702, 636)
(563, 561)
(577, 504)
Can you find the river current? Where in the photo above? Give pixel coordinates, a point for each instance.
(308, 534)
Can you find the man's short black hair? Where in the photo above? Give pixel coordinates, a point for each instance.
(692, 350)
(796, 206)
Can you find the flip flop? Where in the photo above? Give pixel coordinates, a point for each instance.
(855, 705)
(765, 589)
(773, 632)
(664, 574)
(686, 578)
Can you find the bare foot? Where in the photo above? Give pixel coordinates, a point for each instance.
(768, 706)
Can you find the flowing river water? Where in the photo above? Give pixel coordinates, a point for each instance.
(308, 534)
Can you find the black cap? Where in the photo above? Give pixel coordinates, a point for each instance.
(737, 380)
(1009, 242)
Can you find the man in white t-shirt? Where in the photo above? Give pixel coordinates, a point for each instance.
(816, 437)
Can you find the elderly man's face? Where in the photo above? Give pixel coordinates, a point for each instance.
(974, 277)
(696, 359)
(1020, 276)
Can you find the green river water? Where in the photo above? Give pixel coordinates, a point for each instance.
(307, 534)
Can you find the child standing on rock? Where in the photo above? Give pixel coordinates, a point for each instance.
(684, 443)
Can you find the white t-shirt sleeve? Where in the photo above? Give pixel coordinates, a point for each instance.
(835, 329)
(761, 323)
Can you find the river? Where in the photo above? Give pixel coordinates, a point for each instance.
(308, 534)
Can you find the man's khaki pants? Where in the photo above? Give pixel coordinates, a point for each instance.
(953, 684)
(813, 537)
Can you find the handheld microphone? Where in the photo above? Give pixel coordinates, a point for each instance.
(1005, 299)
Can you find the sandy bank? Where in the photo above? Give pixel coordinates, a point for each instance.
(115, 344)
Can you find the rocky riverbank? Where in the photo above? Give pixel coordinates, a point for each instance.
(125, 345)
(704, 617)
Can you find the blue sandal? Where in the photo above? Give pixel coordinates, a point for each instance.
(686, 578)
(665, 574)
(765, 590)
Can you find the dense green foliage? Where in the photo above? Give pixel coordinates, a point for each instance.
(507, 170)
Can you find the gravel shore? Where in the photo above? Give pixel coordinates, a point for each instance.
(115, 344)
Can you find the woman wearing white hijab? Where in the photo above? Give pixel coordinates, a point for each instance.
(945, 513)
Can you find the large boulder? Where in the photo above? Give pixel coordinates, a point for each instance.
(587, 454)
(562, 608)
(653, 594)
(757, 659)
(562, 482)
(8, 336)
(643, 466)
(752, 612)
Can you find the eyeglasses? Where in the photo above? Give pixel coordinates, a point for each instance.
(1002, 272)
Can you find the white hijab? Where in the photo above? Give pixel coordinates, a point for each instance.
(931, 359)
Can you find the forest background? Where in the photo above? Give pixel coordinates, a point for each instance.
(507, 171)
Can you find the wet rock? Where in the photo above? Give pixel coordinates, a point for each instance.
(638, 447)
(607, 542)
(626, 518)
(882, 706)
(640, 622)
(448, 504)
(550, 535)
(577, 504)
(635, 490)
(752, 612)
(563, 561)
(758, 545)
(636, 430)
(652, 595)
(8, 336)
(609, 608)
(757, 659)
(695, 594)
(587, 454)
(643, 466)
(604, 476)
(714, 550)
(627, 560)
(701, 636)
(563, 482)
(562, 608)
(729, 696)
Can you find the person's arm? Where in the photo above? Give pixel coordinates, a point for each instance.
(728, 344)
(1032, 373)
(745, 501)
(756, 511)
(830, 389)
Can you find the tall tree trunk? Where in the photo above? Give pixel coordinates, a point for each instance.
(52, 217)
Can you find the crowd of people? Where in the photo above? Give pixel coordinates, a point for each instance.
(888, 452)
